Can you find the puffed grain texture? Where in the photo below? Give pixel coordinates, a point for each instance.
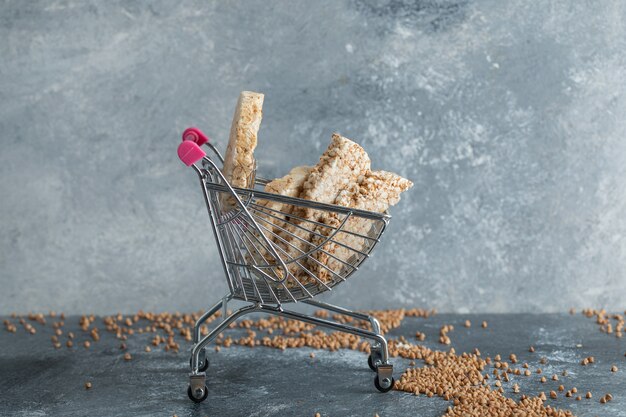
(377, 191)
(239, 161)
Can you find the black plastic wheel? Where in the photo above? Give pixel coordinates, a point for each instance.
(370, 360)
(381, 389)
(204, 366)
(197, 400)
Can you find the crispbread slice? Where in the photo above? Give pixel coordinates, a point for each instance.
(274, 212)
(239, 162)
(377, 191)
(343, 163)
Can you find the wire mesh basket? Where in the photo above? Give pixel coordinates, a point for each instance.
(277, 249)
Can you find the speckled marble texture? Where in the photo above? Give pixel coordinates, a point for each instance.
(37, 380)
(508, 116)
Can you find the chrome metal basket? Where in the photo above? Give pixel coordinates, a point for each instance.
(275, 250)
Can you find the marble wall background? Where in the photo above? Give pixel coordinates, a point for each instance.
(508, 116)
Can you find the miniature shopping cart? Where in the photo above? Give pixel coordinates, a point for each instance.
(273, 254)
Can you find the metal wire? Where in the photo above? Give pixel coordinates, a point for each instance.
(266, 246)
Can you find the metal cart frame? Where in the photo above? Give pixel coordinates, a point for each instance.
(261, 267)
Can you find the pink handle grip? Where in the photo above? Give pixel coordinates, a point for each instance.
(189, 152)
(194, 134)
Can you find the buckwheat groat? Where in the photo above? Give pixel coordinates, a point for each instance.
(343, 163)
(239, 159)
(377, 191)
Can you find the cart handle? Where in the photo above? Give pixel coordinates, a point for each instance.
(190, 151)
(195, 135)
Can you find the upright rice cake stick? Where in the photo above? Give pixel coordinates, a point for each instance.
(239, 162)
(377, 191)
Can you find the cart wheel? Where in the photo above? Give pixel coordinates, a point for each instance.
(382, 389)
(200, 394)
(203, 366)
(373, 360)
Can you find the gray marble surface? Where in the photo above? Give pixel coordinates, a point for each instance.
(508, 116)
(37, 380)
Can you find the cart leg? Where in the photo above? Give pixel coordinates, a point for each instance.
(197, 390)
(374, 358)
(195, 350)
(206, 316)
(384, 371)
(203, 361)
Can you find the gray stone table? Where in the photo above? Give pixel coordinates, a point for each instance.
(37, 380)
